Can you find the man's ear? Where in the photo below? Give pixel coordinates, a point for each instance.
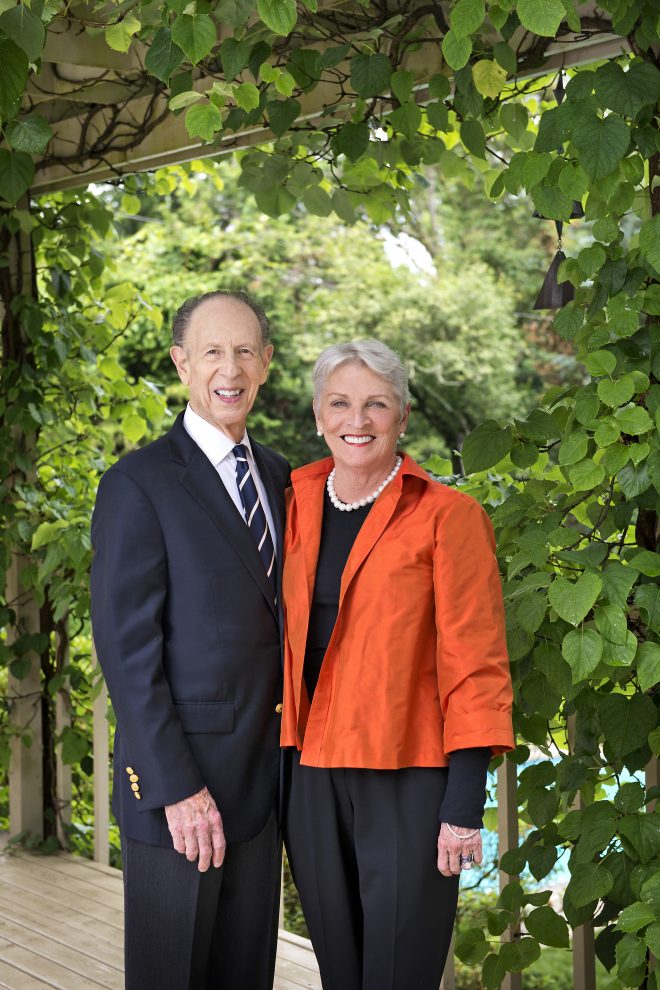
(267, 357)
(180, 359)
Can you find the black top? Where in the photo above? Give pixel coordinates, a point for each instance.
(465, 794)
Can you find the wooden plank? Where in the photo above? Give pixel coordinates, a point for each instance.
(39, 871)
(41, 968)
(15, 979)
(71, 958)
(507, 834)
(80, 869)
(61, 900)
(60, 930)
(39, 907)
(297, 976)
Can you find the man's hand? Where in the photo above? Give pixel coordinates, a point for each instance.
(451, 848)
(195, 825)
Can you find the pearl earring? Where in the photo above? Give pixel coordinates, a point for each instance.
(319, 433)
(401, 436)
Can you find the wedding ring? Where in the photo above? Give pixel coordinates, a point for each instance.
(467, 861)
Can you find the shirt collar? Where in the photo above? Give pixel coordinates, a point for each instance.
(212, 441)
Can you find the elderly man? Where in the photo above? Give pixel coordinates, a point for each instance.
(187, 534)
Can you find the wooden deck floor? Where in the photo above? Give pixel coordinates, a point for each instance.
(61, 926)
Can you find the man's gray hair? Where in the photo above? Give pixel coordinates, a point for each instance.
(371, 354)
(184, 313)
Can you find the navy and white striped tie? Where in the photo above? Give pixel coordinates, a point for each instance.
(255, 516)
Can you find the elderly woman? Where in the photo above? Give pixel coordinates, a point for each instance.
(396, 684)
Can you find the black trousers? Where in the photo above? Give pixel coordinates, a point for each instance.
(186, 930)
(362, 846)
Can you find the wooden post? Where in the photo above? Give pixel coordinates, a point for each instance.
(584, 955)
(507, 836)
(26, 789)
(26, 792)
(101, 753)
(62, 770)
(448, 981)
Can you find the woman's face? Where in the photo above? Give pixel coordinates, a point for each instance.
(360, 418)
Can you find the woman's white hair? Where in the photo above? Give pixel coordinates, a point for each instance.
(371, 354)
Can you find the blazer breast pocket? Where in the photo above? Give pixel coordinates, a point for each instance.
(205, 716)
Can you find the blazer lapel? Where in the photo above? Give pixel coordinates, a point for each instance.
(201, 481)
(370, 532)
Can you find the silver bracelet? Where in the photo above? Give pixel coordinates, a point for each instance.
(457, 836)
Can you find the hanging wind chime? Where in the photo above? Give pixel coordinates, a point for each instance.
(555, 294)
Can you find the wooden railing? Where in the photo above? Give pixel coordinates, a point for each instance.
(25, 793)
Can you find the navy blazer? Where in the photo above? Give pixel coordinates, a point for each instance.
(188, 636)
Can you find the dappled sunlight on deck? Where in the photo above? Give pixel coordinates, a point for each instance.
(61, 926)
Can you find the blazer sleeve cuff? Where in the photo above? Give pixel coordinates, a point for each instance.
(481, 728)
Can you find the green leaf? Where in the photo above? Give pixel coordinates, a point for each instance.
(649, 242)
(572, 600)
(542, 805)
(437, 115)
(573, 448)
(592, 258)
(120, 35)
(586, 474)
(589, 882)
(643, 833)
(493, 971)
(186, 99)
(351, 140)
(626, 722)
(568, 321)
(25, 29)
(634, 917)
(518, 955)
(14, 69)
(278, 15)
(629, 797)
(163, 56)
(489, 78)
(601, 144)
(616, 392)
(439, 87)
(130, 204)
(16, 174)
(30, 134)
(203, 120)
(600, 363)
(634, 479)
(551, 202)
(541, 860)
(633, 420)
(234, 56)
(235, 13)
(486, 446)
(647, 562)
(134, 426)
(611, 623)
(541, 17)
(456, 50)
(473, 137)
(631, 960)
(402, 84)
(531, 611)
(247, 96)
(195, 34)
(627, 92)
(370, 74)
(647, 599)
(514, 118)
(506, 57)
(647, 663)
(467, 17)
(46, 532)
(282, 114)
(471, 946)
(652, 939)
(75, 746)
(548, 927)
(406, 119)
(582, 649)
(317, 201)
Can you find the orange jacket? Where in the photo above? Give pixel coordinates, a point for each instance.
(417, 663)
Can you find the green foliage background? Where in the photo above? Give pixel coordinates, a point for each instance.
(572, 485)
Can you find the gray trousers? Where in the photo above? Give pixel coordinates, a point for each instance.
(362, 847)
(186, 930)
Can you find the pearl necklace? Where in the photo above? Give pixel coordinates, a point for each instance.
(349, 506)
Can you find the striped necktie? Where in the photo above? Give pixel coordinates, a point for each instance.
(254, 512)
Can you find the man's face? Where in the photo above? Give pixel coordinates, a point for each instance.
(223, 362)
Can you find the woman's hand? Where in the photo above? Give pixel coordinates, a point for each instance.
(452, 847)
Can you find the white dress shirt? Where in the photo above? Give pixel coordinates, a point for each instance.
(219, 448)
